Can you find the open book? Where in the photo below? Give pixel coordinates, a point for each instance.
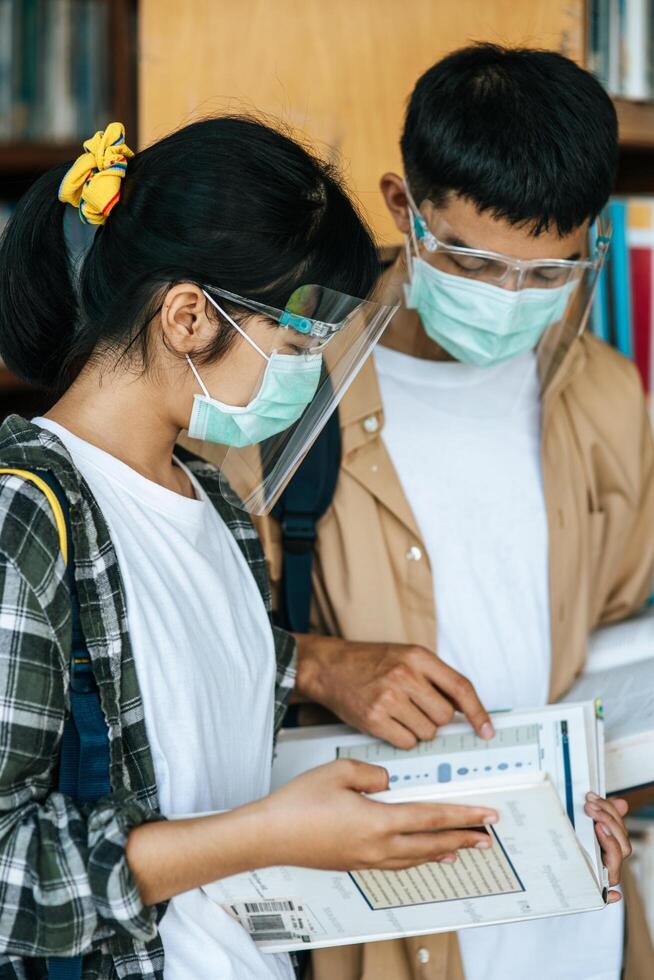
(545, 858)
(620, 671)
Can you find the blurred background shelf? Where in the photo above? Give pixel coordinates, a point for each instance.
(156, 78)
(636, 122)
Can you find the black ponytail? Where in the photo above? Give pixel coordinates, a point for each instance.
(227, 202)
(38, 308)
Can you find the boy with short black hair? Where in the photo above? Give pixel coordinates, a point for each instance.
(495, 500)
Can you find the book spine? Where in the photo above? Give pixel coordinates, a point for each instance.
(98, 63)
(614, 46)
(603, 46)
(621, 279)
(636, 49)
(59, 98)
(6, 83)
(640, 238)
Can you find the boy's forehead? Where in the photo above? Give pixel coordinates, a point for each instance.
(458, 222)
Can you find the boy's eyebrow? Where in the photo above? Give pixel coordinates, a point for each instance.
(460, 243)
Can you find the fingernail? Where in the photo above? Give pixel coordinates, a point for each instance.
(606, 830)
(595, 809)
(592, 796)
(491, 818)
(487, 730)
(448, 859)
(483, 845)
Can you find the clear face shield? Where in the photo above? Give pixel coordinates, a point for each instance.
(301, 360)
(483, 307)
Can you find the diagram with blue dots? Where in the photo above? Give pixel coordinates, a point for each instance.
(454, 757)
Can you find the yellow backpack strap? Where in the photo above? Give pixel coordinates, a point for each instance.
(52, 500)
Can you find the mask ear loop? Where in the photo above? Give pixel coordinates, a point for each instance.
(242, 332)
(199, 380)
(236, 327)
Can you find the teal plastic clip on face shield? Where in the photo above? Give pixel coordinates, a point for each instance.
(299, 323)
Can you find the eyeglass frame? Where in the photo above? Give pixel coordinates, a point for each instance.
(423, 233)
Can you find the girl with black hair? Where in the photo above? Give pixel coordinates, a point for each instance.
(170, 321)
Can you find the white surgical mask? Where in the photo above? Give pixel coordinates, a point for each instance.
(289, 383)
(479, 323)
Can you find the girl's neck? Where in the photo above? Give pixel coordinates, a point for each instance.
(125, 415)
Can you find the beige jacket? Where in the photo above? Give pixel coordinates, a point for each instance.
(372, 579)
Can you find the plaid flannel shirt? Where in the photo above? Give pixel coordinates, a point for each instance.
(65, 885)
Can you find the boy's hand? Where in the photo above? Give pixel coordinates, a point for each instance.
(396, 692)
(612, 835)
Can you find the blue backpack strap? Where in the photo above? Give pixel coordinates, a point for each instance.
(84, 761)
(304, 501)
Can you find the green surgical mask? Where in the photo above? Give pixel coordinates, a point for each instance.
(289, 383)
(479, 323)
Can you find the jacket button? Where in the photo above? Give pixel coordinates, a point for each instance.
(423, 955)
(414, 553)
(371, 424)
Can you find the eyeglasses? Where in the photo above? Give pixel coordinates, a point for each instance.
(504, 270)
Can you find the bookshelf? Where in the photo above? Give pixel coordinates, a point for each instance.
(169, 83)
(23, 160)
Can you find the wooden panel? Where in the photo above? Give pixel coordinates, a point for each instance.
(337, 70)
(636, 121)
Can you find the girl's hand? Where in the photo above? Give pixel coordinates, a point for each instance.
(321, 820)
(318, 820)
(612, 835)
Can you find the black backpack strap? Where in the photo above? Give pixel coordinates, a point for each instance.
(84, 761)
(304, 501)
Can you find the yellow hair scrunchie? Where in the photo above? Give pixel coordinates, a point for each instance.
(93, 183)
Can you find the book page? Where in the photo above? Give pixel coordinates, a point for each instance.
(475, 874)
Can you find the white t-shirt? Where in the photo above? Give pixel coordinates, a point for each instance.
(465, 443)
(205, 662)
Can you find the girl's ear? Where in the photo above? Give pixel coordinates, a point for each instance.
(392, 188)
(184, 321)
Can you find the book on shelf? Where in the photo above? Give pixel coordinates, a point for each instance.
(544, 859)
(54, 69)
(623, 308)
(621, 46)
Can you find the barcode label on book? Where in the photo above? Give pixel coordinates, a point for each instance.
(278, 920)
(269, 906)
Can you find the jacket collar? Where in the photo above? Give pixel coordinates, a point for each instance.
(361, 412)
(363, 401)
